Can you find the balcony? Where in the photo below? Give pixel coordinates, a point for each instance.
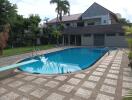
(94, 29)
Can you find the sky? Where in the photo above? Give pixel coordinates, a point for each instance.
(44, 9)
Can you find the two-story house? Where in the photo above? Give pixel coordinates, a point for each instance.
(97, 26)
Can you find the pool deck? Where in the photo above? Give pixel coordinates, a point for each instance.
(109, 79)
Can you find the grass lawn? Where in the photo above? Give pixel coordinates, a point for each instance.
(17, 51)
(128, 96)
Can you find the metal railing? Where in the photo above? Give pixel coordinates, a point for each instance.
(35, 52)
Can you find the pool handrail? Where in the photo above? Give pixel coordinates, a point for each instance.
(36, 52)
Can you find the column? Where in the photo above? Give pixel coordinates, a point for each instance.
(63, 41)
(75, 40)
(68, 39)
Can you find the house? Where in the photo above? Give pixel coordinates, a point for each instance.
(97, 26)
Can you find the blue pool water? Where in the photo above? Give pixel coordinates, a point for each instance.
(65, 61)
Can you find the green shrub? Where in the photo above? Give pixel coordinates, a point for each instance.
(130, 55)
(130, 43)
(128, 96)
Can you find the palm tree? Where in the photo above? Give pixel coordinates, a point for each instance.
(63, 8)
(46, 19)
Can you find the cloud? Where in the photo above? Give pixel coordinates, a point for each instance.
(41, 7)
(45, 9)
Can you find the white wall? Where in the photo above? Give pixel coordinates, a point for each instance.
(115, 41)
(110, 41)
(87, 41)
(105, 18)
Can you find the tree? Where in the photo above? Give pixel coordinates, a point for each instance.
(128, 30)
(31, 24)
(4, 37)
(63, 8)
(17, 32)
(7, 12)
(124, 21)
(46, 19)
(24, 31)
(7, 16)
(56, 34)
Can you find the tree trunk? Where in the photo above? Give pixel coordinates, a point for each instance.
(131, 63)
(1, 51)
(57, 41)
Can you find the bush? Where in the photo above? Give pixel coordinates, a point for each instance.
(130, 43)
(128, 96)
(130, 55)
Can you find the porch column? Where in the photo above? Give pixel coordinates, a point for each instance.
(68, 39)
(63, 41)
(75, 40)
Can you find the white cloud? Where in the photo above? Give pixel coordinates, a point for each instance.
(44, 9)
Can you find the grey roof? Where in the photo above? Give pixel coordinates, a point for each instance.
(75, 17)
(67, 18)
(96, 9)
(95, 29)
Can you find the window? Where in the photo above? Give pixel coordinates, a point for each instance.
(121, 34)
(92, 23)
(104, 21)
(87, 35)
(111, 34)
(67, 24)
(80, 24)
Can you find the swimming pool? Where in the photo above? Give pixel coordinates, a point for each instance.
(64, 61)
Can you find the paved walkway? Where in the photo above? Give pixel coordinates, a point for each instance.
(110, 79)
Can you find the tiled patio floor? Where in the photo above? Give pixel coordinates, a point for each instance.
(109, 80)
